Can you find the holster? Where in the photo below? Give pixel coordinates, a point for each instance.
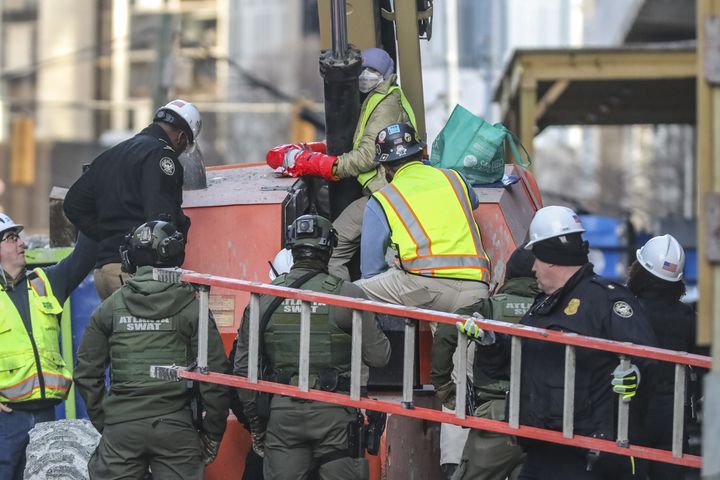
(374, 430)
(356, 437)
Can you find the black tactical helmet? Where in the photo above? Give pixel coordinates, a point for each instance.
(312, 231)
(397, 141)
(156, 244)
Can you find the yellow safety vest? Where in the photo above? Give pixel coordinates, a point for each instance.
(432, 225)
(23, 376)
(372, 102)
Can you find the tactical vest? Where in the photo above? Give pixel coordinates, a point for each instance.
(23, 376)
(137, 343)
(372, 102)
(330, 347)
(432, 225)
(508, 308)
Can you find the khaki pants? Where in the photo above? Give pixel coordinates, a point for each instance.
(348, 226)
(490, 455)
(300, 432)
(442, 294)
(168, 444)
(109, 278)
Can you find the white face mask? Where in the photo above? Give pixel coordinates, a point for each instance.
(368, 80)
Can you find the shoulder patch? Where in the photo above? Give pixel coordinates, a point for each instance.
(622, 309)
(167, 166)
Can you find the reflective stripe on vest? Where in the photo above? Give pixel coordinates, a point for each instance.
(372, 103)
(21, 377)
(431, 224)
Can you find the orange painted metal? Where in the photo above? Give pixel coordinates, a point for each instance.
(504, 216)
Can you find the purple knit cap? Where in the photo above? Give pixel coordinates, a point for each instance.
(378, 59)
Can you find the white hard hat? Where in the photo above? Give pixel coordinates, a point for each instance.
(7, 223)
(281, 263)
(187, 118)
(663, 257)
(551, 222)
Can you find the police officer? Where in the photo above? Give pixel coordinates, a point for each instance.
(383, 103)
(656, 278)
(33, 375)
(145, 421)
(575, 300)
(135, 181)
(302, 436)
(487, 455)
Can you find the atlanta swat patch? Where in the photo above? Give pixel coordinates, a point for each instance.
(167, 166)
(622, 309)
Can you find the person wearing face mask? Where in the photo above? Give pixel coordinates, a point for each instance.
(383, 103)
(135, 181)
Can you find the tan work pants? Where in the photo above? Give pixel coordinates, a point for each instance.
(109, 278)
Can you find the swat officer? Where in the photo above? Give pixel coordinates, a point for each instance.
(136, 181)
(487, 455)
(576, 300)
(145, 421)
(305, 438)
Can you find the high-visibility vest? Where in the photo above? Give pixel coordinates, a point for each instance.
(23, 376)
(432, 225)
(372, 102)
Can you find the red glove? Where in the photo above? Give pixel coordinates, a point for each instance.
(320, 147)
(276, 157)
(307, 162)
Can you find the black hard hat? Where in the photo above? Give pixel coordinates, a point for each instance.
(397, 141)
(157, 244)
(312, 231)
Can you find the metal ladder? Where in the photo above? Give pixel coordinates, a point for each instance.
(406, 407)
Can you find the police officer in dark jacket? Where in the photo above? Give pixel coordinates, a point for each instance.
(304, 439)
(135, 181)
(656, 278)
(574, 300)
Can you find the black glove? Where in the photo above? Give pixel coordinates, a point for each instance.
(208, 448)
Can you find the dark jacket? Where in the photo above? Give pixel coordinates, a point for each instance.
(588, 305)
(168, 314)
(674, 325)
(135, 181)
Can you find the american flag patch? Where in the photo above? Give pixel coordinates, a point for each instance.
(576, 218)
(670, 267)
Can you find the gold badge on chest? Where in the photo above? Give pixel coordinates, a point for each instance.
(572, 306)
